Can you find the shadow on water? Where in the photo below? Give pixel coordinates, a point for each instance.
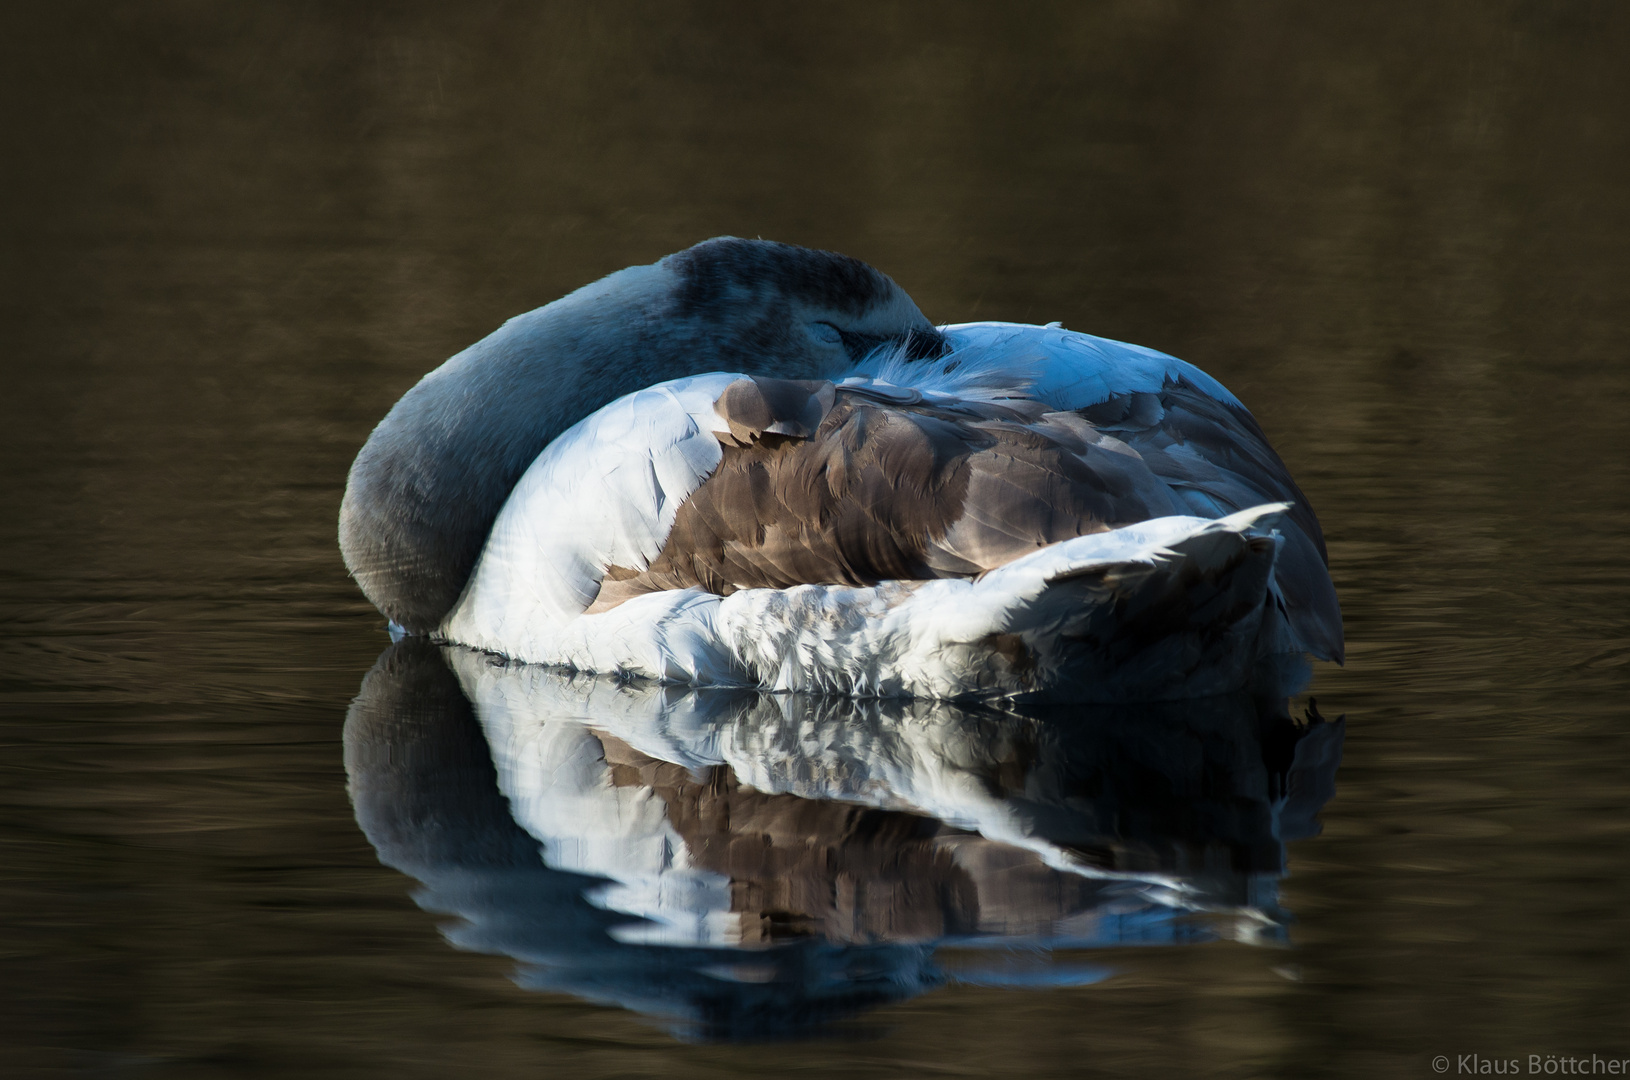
(744, 865)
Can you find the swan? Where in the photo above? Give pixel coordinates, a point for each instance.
(755, 464)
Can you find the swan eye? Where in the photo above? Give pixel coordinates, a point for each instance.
(826, 332)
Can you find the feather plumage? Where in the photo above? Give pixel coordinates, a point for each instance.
(864, 505)
(1099, 540)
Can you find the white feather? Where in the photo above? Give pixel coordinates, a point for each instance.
(1075, 370)
(605, 493)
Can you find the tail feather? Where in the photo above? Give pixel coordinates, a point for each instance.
(1175, 607)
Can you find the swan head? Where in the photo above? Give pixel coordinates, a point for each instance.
(811, 312)
(426, 487)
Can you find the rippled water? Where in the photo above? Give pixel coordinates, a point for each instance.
(233, 237)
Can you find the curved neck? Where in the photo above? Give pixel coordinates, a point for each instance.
(426, 487)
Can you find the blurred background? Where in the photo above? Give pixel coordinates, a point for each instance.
(233, 235)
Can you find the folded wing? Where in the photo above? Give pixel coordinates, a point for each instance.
(886, 488)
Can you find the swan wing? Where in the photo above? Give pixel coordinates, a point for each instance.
(875, 539)
(1187, 429)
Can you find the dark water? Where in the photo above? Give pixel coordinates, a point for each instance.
(233, 235)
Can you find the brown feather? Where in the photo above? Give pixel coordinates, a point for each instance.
(834, 486)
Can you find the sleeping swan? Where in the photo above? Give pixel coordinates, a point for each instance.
(757, 464)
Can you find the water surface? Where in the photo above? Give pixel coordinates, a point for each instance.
(233, 237)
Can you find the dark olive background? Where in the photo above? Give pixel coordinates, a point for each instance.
(234, 234)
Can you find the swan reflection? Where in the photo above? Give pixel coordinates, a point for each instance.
(744, 864)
